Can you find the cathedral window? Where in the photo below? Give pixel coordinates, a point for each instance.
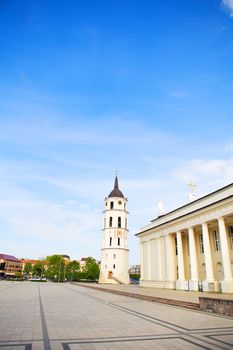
(111, 205)
(110, 221)
(119, 221)
(110, 241)
(118, 241)
(176, 248)
(231, 236)
(216, 241)
(201, 244)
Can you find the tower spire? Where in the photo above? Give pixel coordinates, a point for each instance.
(116, 183)
(116, 192)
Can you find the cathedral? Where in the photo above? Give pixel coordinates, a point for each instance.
(191, 247)
(115, 253)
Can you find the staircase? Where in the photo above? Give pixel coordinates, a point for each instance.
(117, 280)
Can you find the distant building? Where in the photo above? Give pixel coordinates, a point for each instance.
(66, 257)
(9, 265)
(82, 263)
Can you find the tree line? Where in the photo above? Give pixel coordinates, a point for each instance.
(55, 268)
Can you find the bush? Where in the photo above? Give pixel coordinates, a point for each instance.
(135, 276)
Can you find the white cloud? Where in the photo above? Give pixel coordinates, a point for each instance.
(208, 174)
(228, 4)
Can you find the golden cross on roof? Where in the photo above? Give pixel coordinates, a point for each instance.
(192, 186)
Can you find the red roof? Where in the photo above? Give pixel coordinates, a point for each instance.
(8, 257)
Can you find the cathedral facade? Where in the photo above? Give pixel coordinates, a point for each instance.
(191, 247)
(115, 253)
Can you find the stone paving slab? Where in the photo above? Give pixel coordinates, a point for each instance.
(54, 316)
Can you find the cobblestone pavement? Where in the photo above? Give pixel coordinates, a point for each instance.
(63, 316)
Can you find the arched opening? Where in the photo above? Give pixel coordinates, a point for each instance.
(110, 221)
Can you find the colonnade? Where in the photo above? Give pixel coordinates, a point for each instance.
(175, 259)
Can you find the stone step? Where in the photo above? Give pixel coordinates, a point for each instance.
(179, 303)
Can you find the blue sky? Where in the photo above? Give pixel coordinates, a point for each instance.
(87, 87)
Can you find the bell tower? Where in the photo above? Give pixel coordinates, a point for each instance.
(115, 253)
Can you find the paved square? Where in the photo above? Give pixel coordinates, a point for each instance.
(64, 316)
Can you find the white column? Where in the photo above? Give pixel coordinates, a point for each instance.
(180, 283)
(193, 284)
(170, 260)
(158, 265)
(210, 284)
(142, 261)
(148, 243)
(162, 259)
(153, 260)
(227, 284)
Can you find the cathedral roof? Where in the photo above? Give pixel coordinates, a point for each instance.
(116, 192)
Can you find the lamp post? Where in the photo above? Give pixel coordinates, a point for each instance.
(64, 273)
(59, 273)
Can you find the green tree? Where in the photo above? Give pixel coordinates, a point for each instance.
(27, 268)
(71, 270)
(37, 269)
(55, 268)
(18, 274)
(92, 269)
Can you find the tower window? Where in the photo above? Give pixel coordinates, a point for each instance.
(118, 241)
(114, 266)
(125, 223)
(119, 221)
(110, 221)
(110, 241)
(114, 256)
(111, 205)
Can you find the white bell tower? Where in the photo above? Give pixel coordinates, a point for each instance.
(115, 253)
